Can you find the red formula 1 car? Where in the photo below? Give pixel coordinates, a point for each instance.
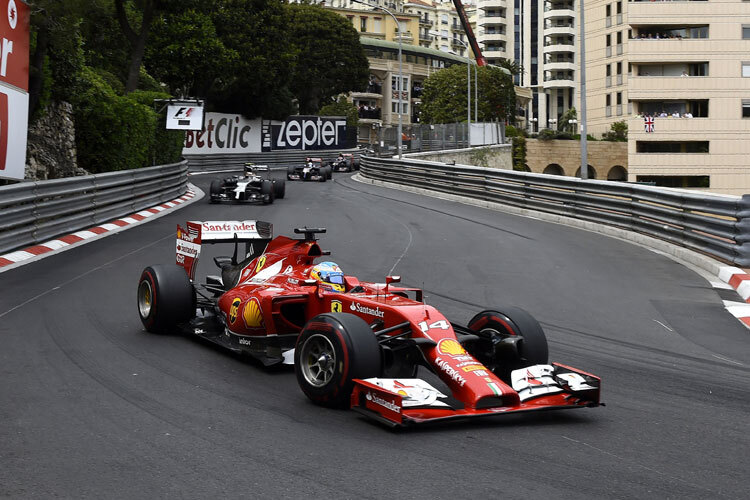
(354, 343)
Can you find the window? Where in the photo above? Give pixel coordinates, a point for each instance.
(363, 24)
(608, 100)
(619, 98)
(609, 70)
(376, 28)
(609, 10)
(619, 37)
(746, 69)
(671, 147)
(745, 108)
(619, 7)
(746, 32)
(609, 40)
(619, 68)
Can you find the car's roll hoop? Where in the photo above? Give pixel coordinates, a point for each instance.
(309, 232)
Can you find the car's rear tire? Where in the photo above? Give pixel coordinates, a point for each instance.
(166, 298)
(290, 172)
(266, 189)
(322, 175)
(215, 191)
(279, 188)
(329, 172)
(492, 326)
(332, 350)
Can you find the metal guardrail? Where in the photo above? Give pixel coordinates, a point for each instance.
(715, 225)
(277, 160)
(34, 212)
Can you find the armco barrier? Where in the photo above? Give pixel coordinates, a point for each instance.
(277, 160)
(34, 212)
(715, 225)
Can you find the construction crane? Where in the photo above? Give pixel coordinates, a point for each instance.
(481, 61)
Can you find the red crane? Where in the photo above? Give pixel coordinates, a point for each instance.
(481, 61)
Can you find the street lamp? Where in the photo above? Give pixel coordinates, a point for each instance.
(400, 72)
(573, 122)
(584, 144)
(552, 122)
(532, 121)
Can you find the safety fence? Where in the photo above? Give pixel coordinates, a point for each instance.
(276, 160)
(34, 212)
(715, 225)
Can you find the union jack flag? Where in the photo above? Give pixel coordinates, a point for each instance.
(649, 124)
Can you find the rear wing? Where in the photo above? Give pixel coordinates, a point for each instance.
(255, 234)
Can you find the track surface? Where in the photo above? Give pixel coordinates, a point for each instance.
(92, 406)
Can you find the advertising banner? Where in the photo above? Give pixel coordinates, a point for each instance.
(14, 86)
(308, 133)
(224, 134)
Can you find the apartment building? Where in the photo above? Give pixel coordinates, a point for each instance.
(678, 72)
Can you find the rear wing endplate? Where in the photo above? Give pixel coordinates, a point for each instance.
(189, 240)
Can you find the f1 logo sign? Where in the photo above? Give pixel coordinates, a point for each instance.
(3, 129)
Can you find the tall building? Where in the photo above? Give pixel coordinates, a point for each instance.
(679, 74)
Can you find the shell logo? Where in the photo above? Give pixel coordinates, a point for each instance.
(234, 309)
(450, 347)
(261, 263)
(252, 314)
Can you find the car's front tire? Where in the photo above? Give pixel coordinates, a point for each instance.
(166, 298)
(528, 344)
(279, 188)
(332, 350)
(215, 191)
(266, 189)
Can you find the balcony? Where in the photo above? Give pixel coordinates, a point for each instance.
(494, 52)
(554, 48)
(491, 4)
(425, 22)
(560, 66)
(493, 37)
(559, 13)
(559, 30)
(458, 28)
(650, 50)
(559, 83)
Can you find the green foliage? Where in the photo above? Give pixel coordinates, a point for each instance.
(519, 153)
(116, 132)
(546, 134)
(618, 132)
(563, 123)
(328, 58)
(511, 131)
(444, 98)
(341, 107)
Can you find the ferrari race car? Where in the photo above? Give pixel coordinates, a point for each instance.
(355, 344)
(312, 170)
(344, 163)
(248, 187)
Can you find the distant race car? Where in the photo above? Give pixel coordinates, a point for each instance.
(312, 170)
(248, 187)
(346, 162)
(355, 344)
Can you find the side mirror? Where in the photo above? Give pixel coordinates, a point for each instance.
(391, 279)
(309, 282)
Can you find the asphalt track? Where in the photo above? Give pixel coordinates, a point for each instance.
(91, 406)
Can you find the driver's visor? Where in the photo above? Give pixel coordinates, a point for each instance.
(335, 278)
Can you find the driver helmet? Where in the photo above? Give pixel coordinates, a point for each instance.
(330, 274)
(249, 169)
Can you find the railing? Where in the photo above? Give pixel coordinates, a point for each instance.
(718, 226)
(34, 212)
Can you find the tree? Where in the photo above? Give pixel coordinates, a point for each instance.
(563, 123)
(329, 59)
(340, 107)
(136, 39)
(257, 84)
(185, 53)
(444, 97)
(618, 131)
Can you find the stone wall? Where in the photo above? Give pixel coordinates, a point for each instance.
(603, 158)
(497, 156)
(51, 147)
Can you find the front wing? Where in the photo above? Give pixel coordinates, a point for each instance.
(404, 402)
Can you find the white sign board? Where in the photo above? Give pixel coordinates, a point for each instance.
(224, 133)
(14, 86)
(183, 116)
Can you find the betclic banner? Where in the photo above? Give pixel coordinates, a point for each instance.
(14, 87)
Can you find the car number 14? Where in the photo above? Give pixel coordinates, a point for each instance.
(437, 325)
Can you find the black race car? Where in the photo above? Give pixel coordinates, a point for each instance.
(248, 187)
(346, 162)
(312, 170)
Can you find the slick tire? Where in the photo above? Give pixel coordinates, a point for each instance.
(332, 350)
(266, 189)
(215, 191)
(279, 188)
(289, 172)
(166, 298)
(329, 172)
(508, 322)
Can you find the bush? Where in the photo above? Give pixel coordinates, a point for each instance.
(546, 134)
(519, 153)
(118, 132)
